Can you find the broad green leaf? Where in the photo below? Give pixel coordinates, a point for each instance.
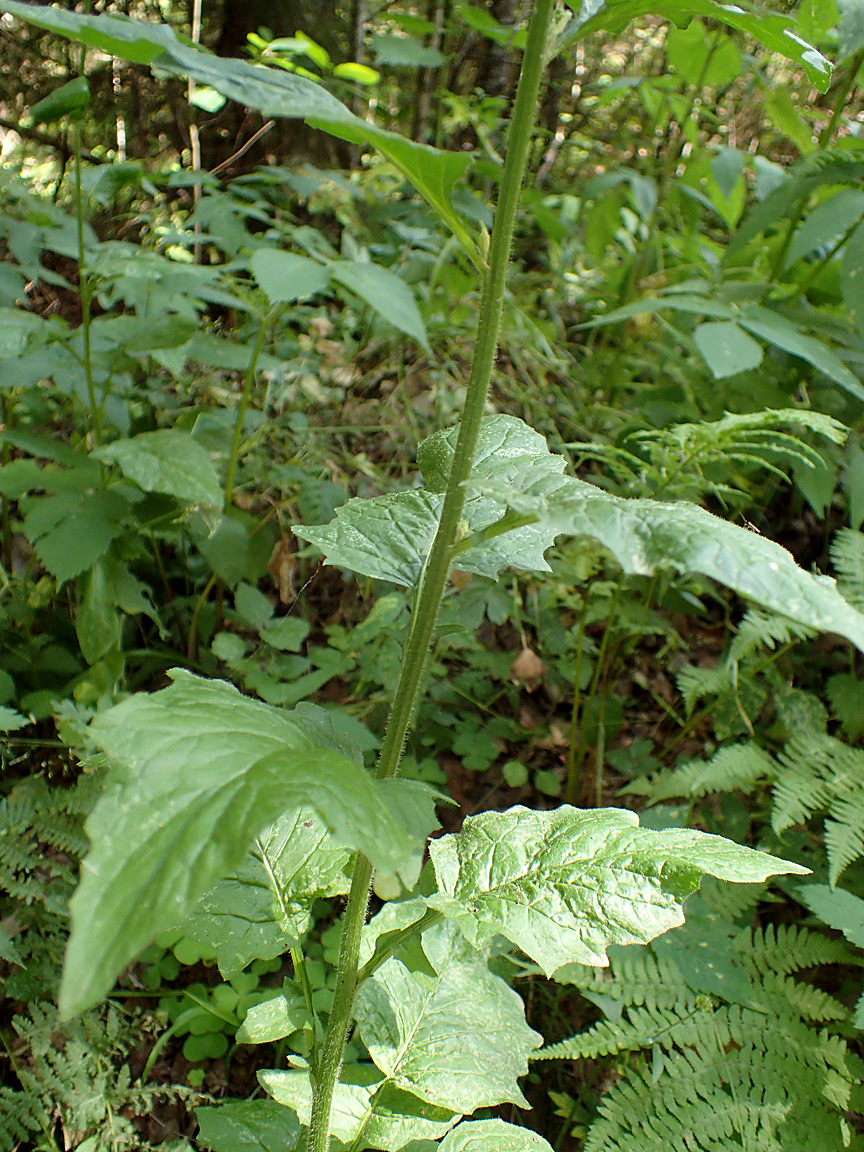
(700, 58)
(72, 531)
(16, 328)
(782, 333)
(404, 52)
(839, 909)
(198, 771)
(168, 461)
(727, 349)
(387, 1116)
(383, 291)
(492, 1136)
(851, 28)
(247, 1126)
(389, 537)
(226, 548)
(773, 31)
(262, 908)
(564, 885)
(285, 277)
(273, 1019)
(432, 1036)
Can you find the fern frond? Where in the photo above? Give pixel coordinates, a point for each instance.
(644, 1027)
(847, 556)
(788, 948)
(735, 768)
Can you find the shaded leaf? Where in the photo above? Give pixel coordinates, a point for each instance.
(839, 909)
(263, 908)
(727, 349)
(72, 531)
(432, 1036)
(386, 293)
(782, 333)
(564, 885)
(167, 461)
(285, 277)
(198, 771)
(247, 1126)
(387, 1116)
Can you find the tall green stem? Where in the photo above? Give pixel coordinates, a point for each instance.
(248, 382)
(84, 292)
(441, 555)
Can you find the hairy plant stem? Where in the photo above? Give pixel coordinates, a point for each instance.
(440, 560)
(84, 292)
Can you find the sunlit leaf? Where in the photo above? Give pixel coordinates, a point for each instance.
(564, 885)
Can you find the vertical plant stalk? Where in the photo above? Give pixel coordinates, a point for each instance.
(245, 396)
(84, 291)
(440, 559)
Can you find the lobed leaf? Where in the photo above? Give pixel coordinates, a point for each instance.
(197, 771)
(564, 885)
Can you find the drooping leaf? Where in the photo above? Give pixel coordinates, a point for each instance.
(198, 771)
(389, 537)
(432, 1036)
(564, 885)
(388, 1117)
(386, 293)
(272, 91)
(247, 1126)
(263, 908)
(492, 1136)
(285, 277)
(782, 333)
(97, 623)
(167, 461)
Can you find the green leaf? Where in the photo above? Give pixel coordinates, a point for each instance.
(433, 1037)
(383, 291)
(782, 333)
(404, 52)
(72, 531)
(386, 1116)
(273, 1019)
(285, 277)
(247, 1126)
(564, 885)
(168, 461)
(851, 28)
(11, 721)
(846, 693)
(226, 549)
(272, 91)
(117, 35)
(198, 771)
(492, 1136)
(827, 223)
(97, 622)
(727, 349)
(359, 73)
(389, 537)
(69, 97)
(839, 909)
(775, 32)
(262, 908)
(16, 328)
